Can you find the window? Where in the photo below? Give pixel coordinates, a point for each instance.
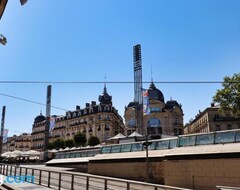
(116, 149)
(218, 128)
(107, 117)
(131, 122)
(137, 147)
(173, 143)
(155, 109)
(162, 145)
(126, 148)
(225, 137)
(154, 122)
(106, 150)
(205, 139)
(107, 127)
(187, 141)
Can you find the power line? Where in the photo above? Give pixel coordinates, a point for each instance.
(111, 82)
(30, 101)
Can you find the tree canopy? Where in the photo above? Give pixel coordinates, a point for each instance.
(59, 143)
(69, 143)
(93, 141)
(80, 139)
(229, 96)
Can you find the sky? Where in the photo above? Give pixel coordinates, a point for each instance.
(86, 40)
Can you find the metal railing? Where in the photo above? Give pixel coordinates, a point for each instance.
(72, 180)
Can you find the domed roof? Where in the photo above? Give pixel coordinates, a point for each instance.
(132, 104)
(39, 118)
(154, 93)
(172, 103)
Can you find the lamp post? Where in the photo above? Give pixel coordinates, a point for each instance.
(146, 144)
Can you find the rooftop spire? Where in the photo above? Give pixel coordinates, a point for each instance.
(105, 88)
(151, 74)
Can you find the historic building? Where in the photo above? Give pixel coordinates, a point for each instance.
(21, 142)
(101, 120)
(165, 118)
(212, 120)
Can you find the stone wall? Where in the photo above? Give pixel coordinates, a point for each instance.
(203, 174)
(129, 170)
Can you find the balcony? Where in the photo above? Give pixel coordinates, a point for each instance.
(225, 119)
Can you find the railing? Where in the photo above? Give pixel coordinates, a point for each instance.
(70, 181)
(211, 138)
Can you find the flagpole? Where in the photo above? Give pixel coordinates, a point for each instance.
(146, 111)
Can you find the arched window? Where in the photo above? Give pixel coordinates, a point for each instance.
(131, 122)
(154, 122)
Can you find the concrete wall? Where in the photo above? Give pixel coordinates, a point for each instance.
(129, 170)
(203, 174)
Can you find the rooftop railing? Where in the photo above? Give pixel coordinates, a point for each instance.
(218, 137)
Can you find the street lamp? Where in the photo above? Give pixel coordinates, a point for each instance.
(3, 40)
(146, 144)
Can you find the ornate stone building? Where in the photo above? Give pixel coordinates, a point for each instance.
(101, 120)
(165, 118)
(21, 142)
(212, 120)
(38, 132)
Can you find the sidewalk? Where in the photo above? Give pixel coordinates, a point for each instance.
(23, 186)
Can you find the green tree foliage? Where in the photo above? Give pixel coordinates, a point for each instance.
(59, 143)
(50, 146)
(69, 143)
(229, 96)
(93, 141)
(80, 139)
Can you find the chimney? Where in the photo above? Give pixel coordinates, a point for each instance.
(77, 107)
(93, 103)
(212, 104)
(87, 105)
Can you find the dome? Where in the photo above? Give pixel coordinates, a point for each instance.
(171, 104)
(132, 104)
(39, 118)
(155, 94)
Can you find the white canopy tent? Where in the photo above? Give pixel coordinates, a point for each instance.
(118, 136)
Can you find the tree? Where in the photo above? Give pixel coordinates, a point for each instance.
(93, 141)
(80, 139)
(229, 96)
(59, 143)
(69, 143)
(50, 146)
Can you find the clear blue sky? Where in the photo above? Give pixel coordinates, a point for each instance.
(84, 40)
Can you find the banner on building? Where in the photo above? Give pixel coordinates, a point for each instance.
(52, 123)
(146, 107)
(5, 135)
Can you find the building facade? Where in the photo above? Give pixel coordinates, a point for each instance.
(101, 120)
(21, 142)
(212, 120)
(165, 118)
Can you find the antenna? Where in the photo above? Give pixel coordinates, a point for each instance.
(151, 74)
